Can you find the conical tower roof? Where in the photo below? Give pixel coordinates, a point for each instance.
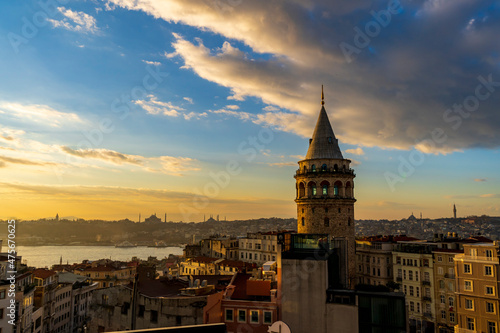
(323, 143)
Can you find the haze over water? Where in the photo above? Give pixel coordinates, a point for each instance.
(46, 256)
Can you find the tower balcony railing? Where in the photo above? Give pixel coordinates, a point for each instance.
(305, 196)
(319, 171)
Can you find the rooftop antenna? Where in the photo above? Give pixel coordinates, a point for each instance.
(322, 96)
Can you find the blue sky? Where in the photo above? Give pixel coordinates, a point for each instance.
(113, 108)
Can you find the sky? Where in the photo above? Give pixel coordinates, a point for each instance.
(111, 109)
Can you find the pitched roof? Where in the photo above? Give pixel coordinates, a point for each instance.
(323, 143)
(43, 273)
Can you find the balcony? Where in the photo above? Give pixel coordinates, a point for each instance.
(477, 258)
(463, 330)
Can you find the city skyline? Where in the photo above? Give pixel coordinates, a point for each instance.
(108, 110)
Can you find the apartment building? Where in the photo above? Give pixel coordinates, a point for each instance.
(444, 289)
(414, 271)
(259, 247)
(219, 247)
(477, 279)
(374, 259)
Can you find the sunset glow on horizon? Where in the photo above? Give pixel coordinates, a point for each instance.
(113, 109)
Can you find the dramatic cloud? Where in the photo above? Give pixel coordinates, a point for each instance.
(170, 165)
(154, 106)
(152, 63)
(75, 21)
(412, 79)
(42, 114)
(103, 154)
(357, 151)
(4, 160)
(480, 179)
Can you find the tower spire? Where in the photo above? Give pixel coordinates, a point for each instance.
(322, 96)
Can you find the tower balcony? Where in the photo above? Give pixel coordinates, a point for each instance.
(325, 172)
(324, 197)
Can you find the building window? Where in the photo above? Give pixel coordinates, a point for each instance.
(411, 290)
(452, 317)
(490, 290)
(412, 306)
(404, 274)
(443, 300)
(488, 270)
(469, 304)
(325, 189)
(440, 270)
(398, 260)
(450, 259)
(451, 301)
(327, 222)
(489, 254)
(468, 285)
(440, 258)
(492, 327)
(335, 190)
(229, 315)
(443, 315)
(416, 276)
(141, 311)
(490, 307)
(470, 324)
(314, 192)
(268, 317)
(418, 291)
(154, 316)
(2, 294)
(410, 275)
(254, 316)
(467, 269)
(303, 223)
(242, 316)
(313, 168)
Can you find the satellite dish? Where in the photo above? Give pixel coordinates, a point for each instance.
(279, 327)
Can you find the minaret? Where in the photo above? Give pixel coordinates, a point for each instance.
(325, 189)
(454, 211)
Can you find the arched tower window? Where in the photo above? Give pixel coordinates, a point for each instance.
(336, 188)
(323, 167)
(302, 190)
(335, 167)
(348, 221)
(312, 188)
(327, 222)
(303, 223)
(313, 168)
(305, 168)
(324, 187)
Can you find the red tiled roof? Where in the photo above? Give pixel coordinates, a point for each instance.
(235, 263)
(240, 283)
(478, 239)
(258, 288)
(204, 259)
(43, 273)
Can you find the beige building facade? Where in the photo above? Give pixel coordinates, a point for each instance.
(478, 303)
